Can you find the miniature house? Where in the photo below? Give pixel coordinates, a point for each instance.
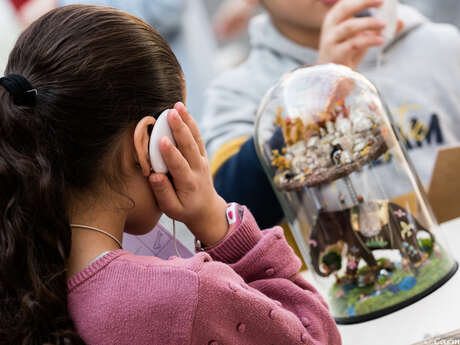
(352, 199)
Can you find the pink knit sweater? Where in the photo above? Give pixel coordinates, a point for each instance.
(245, 291)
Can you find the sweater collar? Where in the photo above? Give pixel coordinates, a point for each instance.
(93, 268)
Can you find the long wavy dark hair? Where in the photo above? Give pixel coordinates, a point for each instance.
(97, 72)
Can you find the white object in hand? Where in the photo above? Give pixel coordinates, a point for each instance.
(387, 13)
(160, 129)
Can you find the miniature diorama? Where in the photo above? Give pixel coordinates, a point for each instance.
(350, 195)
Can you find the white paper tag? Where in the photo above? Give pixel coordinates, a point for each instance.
(232, 213)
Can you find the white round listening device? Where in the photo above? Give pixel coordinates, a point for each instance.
(160, 129)
(388, 13)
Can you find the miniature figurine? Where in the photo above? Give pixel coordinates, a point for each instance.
(339, 141)
(319, 135)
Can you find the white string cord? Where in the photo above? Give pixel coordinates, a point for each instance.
(174, 236)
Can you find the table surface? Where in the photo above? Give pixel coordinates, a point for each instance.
(446, 339)
(432, 320)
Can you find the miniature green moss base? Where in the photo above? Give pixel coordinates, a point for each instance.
(350, 303)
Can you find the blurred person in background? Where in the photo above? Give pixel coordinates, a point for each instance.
(418, 79)
(232, 18)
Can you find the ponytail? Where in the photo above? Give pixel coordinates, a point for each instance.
(34, 236)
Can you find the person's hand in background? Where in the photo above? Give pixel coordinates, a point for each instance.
(345, 38)
(232, 18)
(33, 9)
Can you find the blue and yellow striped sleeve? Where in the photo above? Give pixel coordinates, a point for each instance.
(239, 177)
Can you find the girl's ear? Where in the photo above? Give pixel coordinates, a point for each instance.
(141, 143)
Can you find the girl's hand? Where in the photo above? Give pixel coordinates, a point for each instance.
(345, 38)
(191, 198)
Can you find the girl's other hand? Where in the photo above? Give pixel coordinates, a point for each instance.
(191, 197)
(345, 38)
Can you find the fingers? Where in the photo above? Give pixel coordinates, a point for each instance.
(232, 18)
(360, 42)
(176, 163)
(400, 26)
(165, 194)
(184, 139)
(347, 9)
(354, 26)
(192, 125)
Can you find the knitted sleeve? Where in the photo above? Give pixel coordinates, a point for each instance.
(258, 298)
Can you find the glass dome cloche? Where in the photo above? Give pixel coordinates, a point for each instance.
(354, 203)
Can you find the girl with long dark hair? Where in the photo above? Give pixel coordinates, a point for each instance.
(78, 101)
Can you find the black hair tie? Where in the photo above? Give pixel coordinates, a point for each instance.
(19, 87)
